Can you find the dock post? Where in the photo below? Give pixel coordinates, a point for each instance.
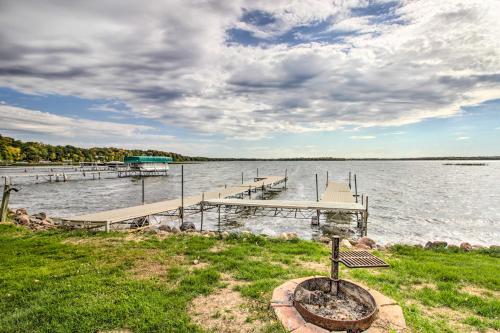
(286, 178)
(326, 185)
(143, 196)
(218, 221)
(106, 226)
(5, 200)
(249, 191)
(335, 263)
(201, 210)
(317, 193)
(99, 173)
(182, 193)
(242, 177)
(366, 217)
(257, 172)
(349, 179)
(355, 188)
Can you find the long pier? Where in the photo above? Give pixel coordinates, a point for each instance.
(176, 207)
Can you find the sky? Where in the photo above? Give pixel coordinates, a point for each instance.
(270, 79)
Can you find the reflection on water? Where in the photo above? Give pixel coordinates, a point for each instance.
(410, 201)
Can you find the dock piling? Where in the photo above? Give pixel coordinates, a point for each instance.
(143, 193)
(182, 194)
(5, 200)
(355, 188)
(201, 210)
(349, 179)
(286, 177)
(317, 193)
(218, 221)
(366, 218)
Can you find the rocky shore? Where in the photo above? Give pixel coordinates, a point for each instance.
(41, 221)
(38, 221)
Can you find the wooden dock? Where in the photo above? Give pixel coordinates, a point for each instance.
(174, 207)
(337, 199)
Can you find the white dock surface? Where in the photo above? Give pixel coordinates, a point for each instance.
(338, 192)
(128, 213)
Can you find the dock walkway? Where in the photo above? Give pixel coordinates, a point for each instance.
(338, 192)
(106, 218)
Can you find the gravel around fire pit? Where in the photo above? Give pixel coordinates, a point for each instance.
(337, 307)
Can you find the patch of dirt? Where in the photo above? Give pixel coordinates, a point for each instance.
(315, 266)
(224, 311)
(452, 317)
(149, 267)
(219, 247)
(480, 292)
(198, 265)
(92, 241)
(133, 237)
(424, 285)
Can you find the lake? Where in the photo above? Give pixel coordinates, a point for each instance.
(410, 201)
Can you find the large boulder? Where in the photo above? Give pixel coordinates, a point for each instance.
(21, 211)
(40, 216)
(185, 226)
(436, 245)
(345, 244)
(367, 241)
(361, 246)
(288, 235)
(23, 219)
(324, 239)
(466, 247)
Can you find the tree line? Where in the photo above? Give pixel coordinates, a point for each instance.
(12, 151)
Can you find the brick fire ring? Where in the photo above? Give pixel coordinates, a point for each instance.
(390, 314)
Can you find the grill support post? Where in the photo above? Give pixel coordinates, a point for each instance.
(335, 264)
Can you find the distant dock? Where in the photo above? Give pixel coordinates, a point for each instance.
(76, 173)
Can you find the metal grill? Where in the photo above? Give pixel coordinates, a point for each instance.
(359, 259)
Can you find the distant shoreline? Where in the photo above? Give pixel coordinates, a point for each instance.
(325, 159)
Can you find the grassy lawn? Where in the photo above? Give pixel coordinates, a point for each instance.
(60, 281)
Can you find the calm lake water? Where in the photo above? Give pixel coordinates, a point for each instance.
(410, 202)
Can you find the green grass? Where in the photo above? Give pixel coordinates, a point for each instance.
(60, 281)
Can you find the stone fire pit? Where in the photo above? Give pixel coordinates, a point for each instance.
(348, 307)
(384, 316)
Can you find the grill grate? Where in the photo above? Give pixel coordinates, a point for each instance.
(358, 259)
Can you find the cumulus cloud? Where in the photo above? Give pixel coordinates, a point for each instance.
(376, 62)
(362, 137)
(463, 138)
